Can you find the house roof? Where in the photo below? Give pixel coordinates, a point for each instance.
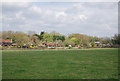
(59, 44)
(51, 44)
(97, 42)
(6, 41)
(14, 44)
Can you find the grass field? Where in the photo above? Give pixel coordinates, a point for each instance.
(62, 64)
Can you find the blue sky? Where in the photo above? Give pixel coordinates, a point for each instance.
(90, 18)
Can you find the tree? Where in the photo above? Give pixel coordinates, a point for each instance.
(58, 37)
(48, 37)
(31, 33)
(68, 42)
(106, 40)
(116, 39)
(80, 39)
(40, 36)
(55, 33)
(34, 40)
(7, 34)
(42, 33)
(75, 40)
(21, 38)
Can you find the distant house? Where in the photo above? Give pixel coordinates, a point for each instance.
(50, 45)
(14, 44)
(41, 45)
(59, 45)
(98, 44)
(5, 42)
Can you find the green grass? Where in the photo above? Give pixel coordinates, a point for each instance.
(63, 64)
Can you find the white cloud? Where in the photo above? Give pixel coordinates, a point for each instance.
(15, 4)
(35, 9)
(98, 19)
(82, 17)
(20, 16)
(61, 0)
(59, 14)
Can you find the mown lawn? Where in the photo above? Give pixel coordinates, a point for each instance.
(62, 64)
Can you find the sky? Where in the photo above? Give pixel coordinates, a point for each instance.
(89, 18)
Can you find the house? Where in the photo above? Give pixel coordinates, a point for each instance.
(59, 45)
(41, 45)
(5, 42)
(50, 45)
(98, 44)
(14, 44)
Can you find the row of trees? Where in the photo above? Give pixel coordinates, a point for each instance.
(22, 39)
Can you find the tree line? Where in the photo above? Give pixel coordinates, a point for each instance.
(74, 39)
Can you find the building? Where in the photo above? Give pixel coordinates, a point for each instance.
(5, 42)
(50, 45)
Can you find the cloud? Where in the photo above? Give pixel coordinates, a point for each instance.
(95, 19)
(82, 17)
(35, 9)
(15, 4)
(60, 14)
